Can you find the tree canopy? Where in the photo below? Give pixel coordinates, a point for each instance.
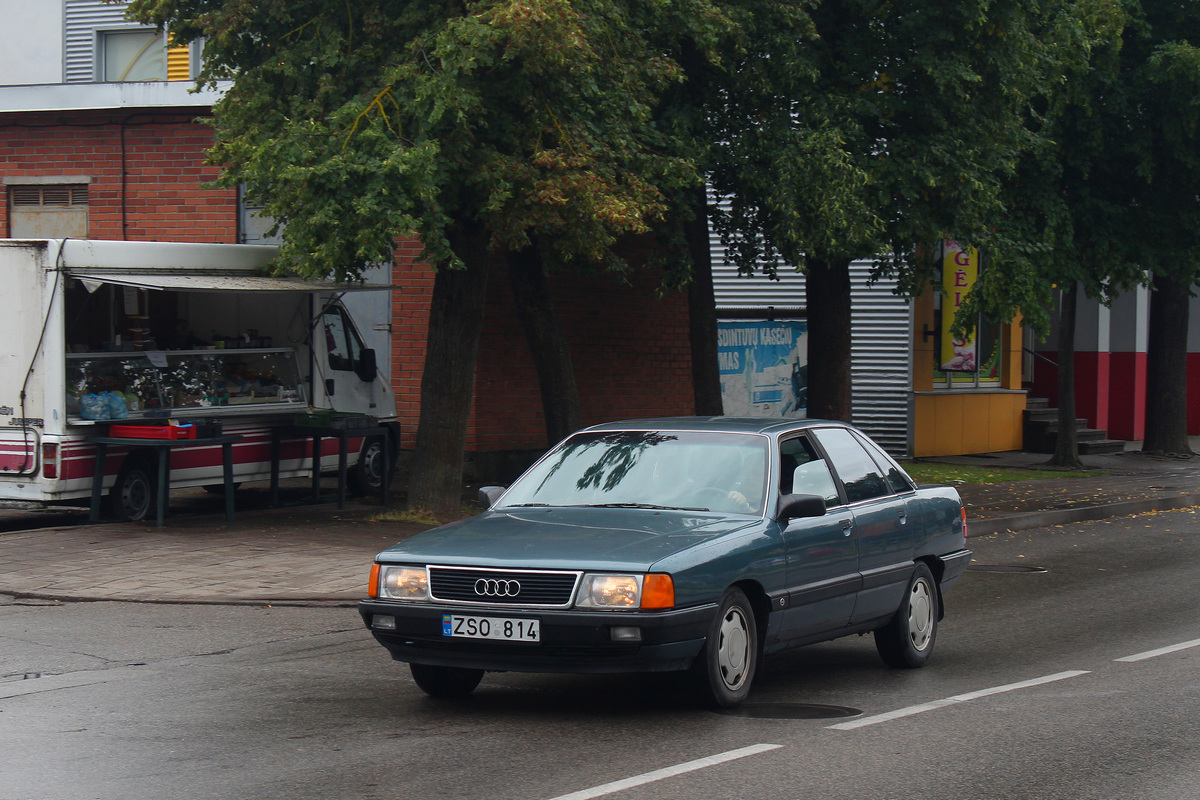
(353, 123)
(893, 125)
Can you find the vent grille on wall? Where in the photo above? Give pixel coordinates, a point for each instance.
(53, 195)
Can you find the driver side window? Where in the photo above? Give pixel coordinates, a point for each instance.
(803, 471)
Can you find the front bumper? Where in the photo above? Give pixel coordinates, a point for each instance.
(571, 641)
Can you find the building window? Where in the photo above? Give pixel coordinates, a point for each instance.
(139, 55)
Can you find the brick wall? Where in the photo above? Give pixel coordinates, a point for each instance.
(629, 348)
(163, 156)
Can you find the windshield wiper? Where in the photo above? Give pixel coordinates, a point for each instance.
(642, 505)
(529, 505)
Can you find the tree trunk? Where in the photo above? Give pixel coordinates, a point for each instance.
(1066, 446)
(827, 293)
(1166, 368)
(448, 379)
(702, 313)
(547, 344)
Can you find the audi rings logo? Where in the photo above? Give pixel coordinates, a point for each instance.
(490, 587)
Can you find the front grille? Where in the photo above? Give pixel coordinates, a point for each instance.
(502, 586)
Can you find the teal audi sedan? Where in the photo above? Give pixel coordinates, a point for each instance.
(691, 544)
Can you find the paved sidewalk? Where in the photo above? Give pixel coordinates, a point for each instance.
(292, 555)
(317, 555)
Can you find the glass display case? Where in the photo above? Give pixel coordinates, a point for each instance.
(105, 386)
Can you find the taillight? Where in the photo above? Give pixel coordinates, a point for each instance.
(49, 460)
(964, 517)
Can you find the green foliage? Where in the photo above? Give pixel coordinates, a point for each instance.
(877, 126)
(1111, 195)
(943, 472)
(354, 123)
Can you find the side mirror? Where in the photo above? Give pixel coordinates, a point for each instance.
(488, 495)
(794, 506)
(365, 367)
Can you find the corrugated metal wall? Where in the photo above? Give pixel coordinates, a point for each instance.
(881, 348)
(83, 19)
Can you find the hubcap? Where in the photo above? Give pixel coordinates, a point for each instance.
(135, 497)
(920, 615)
(733, 649)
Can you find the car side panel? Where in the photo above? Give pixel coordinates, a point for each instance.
(701, 574)
(822, 574)
(935, 513)
(886, 539)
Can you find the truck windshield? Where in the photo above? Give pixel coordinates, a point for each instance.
(710, 471)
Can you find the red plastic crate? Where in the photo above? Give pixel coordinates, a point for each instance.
(153, 431)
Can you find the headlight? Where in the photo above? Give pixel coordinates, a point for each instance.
(403, 583)
(620, 592)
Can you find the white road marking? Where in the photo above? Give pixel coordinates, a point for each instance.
(1162, 651)
(958, 698)
(668, 772)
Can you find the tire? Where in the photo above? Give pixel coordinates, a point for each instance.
(446, 682)
(133, 496)
(724, 670)
(907, 640)
(366, 478)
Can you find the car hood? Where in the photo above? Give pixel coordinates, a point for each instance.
(566, 538)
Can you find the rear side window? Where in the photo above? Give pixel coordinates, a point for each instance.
(897, 478)
(860, 475)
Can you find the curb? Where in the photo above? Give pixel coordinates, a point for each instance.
(985, 526)
(280, 602)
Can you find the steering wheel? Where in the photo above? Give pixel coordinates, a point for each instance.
(712, 496)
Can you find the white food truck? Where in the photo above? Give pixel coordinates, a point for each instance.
(103, 336)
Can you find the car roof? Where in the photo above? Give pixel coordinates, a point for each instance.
(762, 425)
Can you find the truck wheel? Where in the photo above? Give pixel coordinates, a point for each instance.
(446, 681)
(367, 476)
(133, 495)
(724, 669)
(907, 640)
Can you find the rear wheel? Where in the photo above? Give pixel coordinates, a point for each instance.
(133, 495)
(446, 681)
(907, 640)
(368, 474)
(725, 667)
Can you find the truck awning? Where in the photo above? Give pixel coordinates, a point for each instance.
(216, 282)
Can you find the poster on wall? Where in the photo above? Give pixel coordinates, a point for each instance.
(764, 368)
(960, 270)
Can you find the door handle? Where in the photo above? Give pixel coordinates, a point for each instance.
(847, 526)
(902, 514)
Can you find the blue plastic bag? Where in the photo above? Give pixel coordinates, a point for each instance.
(117, 407)
(94, 406)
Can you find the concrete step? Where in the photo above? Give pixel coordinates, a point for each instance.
(1100, 446)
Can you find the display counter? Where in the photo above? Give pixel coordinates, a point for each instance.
(179, 383)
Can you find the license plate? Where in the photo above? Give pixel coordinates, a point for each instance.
(502, 628)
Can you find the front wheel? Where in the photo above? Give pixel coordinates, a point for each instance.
(446, 681)
(725, 667)
(907, 640)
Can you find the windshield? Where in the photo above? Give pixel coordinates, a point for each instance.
(650, 469)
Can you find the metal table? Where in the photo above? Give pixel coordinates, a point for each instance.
(163, 448)
(343, 435)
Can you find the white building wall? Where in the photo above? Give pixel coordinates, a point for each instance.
(31, 42)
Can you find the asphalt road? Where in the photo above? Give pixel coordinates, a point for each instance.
(1080, 682)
